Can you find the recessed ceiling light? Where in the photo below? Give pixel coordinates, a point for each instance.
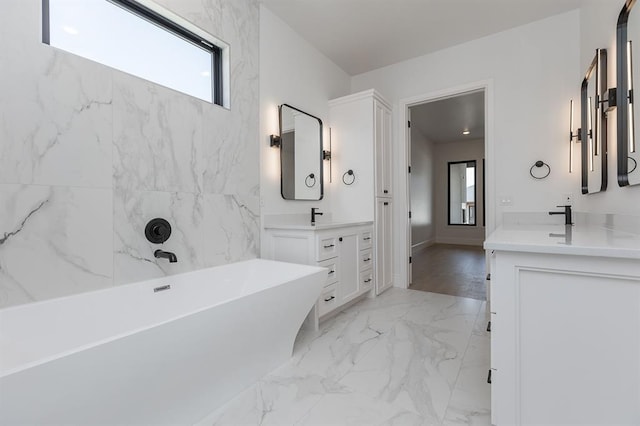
(69, 30)
(466, 132)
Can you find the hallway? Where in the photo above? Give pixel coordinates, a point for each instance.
(456, 270)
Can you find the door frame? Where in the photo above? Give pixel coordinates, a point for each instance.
(404, 160)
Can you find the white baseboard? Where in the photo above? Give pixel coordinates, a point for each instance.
(422, 245)
(461, 241)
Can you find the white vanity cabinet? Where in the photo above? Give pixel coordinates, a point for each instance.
(565, 328)
(361, 142)
(346, 250)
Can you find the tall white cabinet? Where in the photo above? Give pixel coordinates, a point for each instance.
(361, 142)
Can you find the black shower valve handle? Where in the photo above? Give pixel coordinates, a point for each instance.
(157, 231)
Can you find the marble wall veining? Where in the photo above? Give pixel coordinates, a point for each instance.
(89, 154)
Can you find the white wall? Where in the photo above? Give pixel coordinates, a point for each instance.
(88, 155)
(292, 71)
(422, 190)
(534, 71)
(598, 30)
(452, 152)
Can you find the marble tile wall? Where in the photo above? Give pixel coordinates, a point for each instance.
(89, 154)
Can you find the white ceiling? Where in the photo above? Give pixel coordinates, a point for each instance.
(362, 35)
(444, 120)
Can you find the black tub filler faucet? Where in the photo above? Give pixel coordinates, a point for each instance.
(158, 231)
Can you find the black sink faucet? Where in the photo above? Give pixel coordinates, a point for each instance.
(314, 213)
(159, 254)
(567, 215)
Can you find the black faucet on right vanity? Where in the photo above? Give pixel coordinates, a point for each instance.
(568, 220)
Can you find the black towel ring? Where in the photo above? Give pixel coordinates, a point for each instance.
(348, 173)
(635, 165)
(540, 163)
(310, 180)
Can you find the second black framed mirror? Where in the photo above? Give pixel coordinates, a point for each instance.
(628, 31)
(594, 94)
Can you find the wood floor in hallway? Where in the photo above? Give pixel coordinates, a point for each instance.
(450, 269)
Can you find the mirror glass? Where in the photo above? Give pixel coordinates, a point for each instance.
(594, 125)
(462, 193)
(628, 73)
(300, 155)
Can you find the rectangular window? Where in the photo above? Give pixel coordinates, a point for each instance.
(133, 38)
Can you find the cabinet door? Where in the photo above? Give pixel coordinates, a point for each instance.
(348, 261)
(382, 150)
(383, 244)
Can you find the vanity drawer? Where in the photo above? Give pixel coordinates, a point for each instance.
(332, 266)
(366, 239)
(328, 300)
(366, 259)
(327, 247)
(366, 279)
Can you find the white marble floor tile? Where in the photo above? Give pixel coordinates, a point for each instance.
(471, 399)
(447, 312)
(480, 327)
(415, 366)
(352, 408)
(404, 358)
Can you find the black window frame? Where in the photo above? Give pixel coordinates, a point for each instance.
(168, 25)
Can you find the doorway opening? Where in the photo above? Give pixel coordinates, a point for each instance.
(446, 194)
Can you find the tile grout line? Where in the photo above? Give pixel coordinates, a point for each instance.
(466, 350)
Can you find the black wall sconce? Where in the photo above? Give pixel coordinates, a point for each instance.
(274, 141)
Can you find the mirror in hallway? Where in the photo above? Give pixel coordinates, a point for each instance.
(462, 193)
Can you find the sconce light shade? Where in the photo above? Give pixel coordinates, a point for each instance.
(577, 136)
(274, 141)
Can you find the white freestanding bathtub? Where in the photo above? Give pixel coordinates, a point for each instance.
(165, 351)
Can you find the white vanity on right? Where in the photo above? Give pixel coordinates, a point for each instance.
(565, 321)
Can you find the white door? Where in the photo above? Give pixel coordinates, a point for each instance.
(409, 239)
(383, 241)
(348, 266)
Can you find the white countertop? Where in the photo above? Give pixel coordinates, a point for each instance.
(590, 239)
(318, 226)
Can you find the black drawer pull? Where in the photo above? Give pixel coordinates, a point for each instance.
(367, 259)
(489, 326)
(329, 299)
(386, 191)
(332, 272)
(366, 238)
(386, 204)
(489, 377)
(367, 280)
(329, 246)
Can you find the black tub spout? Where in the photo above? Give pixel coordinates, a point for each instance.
(165, 255)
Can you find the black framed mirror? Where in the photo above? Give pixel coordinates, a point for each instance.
(461, 193)
(627, 44)
(300, 155)
(594, 94)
